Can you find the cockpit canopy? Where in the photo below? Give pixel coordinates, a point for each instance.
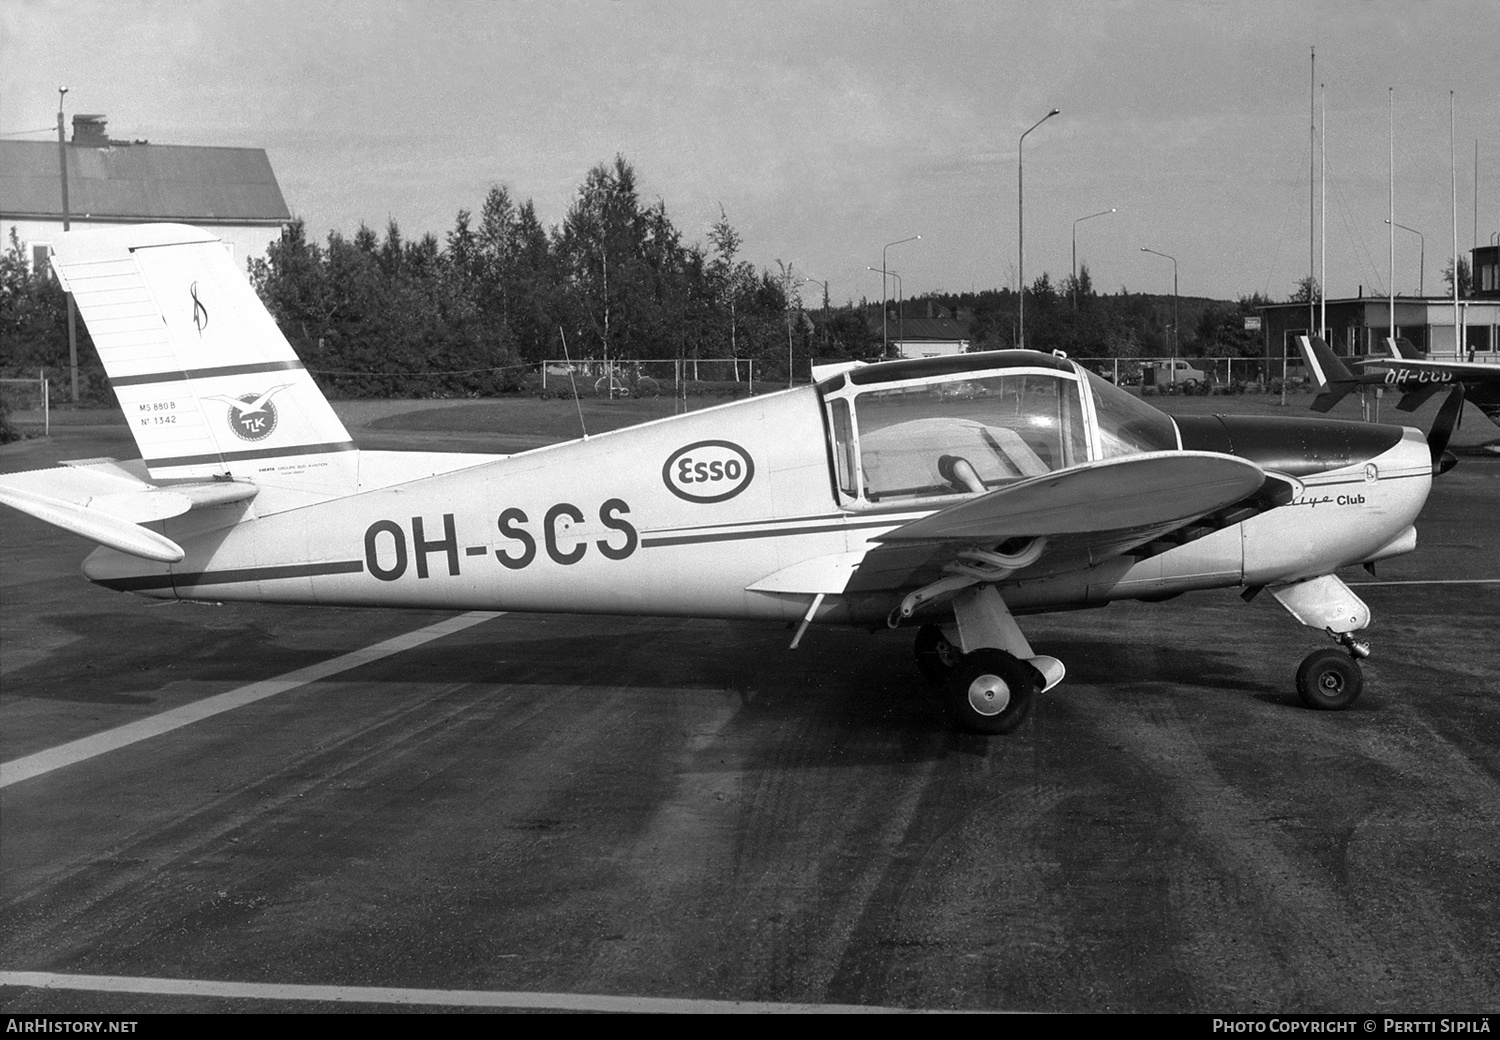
(907, 432)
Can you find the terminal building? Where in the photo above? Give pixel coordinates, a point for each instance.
(229, 191)
(1358, 327)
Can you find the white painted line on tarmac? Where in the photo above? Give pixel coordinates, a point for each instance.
(25, 768)
(1430, 581)
(429, 997)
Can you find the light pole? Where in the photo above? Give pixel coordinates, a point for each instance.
(789, 286)
(884, 339)
(62, 162)
(899, 296)
(1176, 330)
(1422, 261)
(1021, 227)
(1080, 220)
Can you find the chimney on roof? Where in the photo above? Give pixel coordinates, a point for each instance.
(88, 131)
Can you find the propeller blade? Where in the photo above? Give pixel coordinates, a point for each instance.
(1442, 429)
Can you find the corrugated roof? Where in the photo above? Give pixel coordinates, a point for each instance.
(141, 182)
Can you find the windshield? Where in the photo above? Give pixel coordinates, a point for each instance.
(1128, 425)
(967, 436)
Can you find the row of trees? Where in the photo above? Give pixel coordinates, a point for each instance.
(1072, 317)
(476, 312)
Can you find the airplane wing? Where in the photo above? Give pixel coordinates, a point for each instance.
(1458, 369)
(1085, 514)
(1149, 491)
(107, 502)
(1082, 516)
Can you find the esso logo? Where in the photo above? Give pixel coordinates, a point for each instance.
(708, 471)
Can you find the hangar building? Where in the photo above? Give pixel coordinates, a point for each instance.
(231, 191)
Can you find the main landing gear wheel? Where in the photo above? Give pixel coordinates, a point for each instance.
(936, 657)
(1329, 680)
(990, 691)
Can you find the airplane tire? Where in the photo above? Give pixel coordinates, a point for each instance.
(936, 656)
(990, 691)
(1329, 680)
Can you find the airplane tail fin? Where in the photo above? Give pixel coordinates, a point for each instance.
(209, 385)
(1401, 347)
(1333, 378)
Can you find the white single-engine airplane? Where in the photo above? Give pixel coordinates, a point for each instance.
(944, 494)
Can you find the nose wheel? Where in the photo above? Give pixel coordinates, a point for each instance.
(1329, 680)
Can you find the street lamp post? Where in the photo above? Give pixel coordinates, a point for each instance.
(899, 297)
(1176, 328)
(1080, 220)
(62, 162)
(884, 338)
(789, 286)
(900, 304)
(1422, 260)
(1021, 226)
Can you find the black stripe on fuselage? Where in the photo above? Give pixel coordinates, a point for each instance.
(146, 582)
(651, 541)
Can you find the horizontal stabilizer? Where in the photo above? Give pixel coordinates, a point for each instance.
(1139, 491)
(103, 500)
(99, 525)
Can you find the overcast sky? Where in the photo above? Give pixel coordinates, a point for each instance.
(827, 130)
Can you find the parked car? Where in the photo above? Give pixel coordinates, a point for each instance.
(1176, 371)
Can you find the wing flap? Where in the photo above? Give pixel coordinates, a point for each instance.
(828, 575)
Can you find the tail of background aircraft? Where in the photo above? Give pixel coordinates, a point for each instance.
(1401, 347)
(1331, 375)
(209, 385)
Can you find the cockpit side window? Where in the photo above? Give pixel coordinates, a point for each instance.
(965, 437)
(1128, 426)
(845, 465)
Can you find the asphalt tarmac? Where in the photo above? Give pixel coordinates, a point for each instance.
(328, 809)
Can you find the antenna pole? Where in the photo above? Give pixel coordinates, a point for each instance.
(572, 378)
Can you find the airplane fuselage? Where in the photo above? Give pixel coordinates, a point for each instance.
(681, 516)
